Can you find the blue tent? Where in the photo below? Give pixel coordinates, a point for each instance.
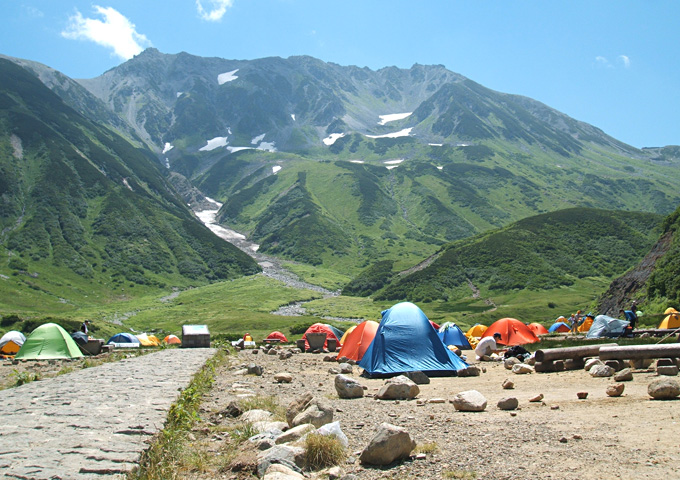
(554, 327)
(451, 334)
(605, 326)
(124, 340)
(407, 342)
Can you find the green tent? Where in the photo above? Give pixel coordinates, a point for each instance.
(48, 341)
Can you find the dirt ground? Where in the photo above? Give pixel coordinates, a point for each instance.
(562, 437)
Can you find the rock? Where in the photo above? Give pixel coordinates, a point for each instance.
(558, 366)
(582, 395)
(254, 369)
(346, 368)
(574, 363)
(470, 371)
(334, 473)
(334, 370)
(271, 351)
(256, 415)
(291, 457)
(508, 363)
(398, 388)
(615, 364)
(255, 352)
(667, 370)
(664, 389)
(601, 371)
(232, 410)
(342, 359)
(625, 375)
(281, 472)
(285, 355)
(347, 387)
(329, 358)
(270, 427)
(615, 390)
(536, 398)
(297, 406)
(295, 433)
(418, 377)
(508, 403)
(469, 401)
(389, 443)
(508, 384)
(591, 362)
(318, 413)
(263, 441)
(522, 368)
(283, 377)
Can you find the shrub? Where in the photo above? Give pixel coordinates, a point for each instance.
(323, 451)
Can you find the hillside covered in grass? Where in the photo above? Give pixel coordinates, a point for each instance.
(537, 253)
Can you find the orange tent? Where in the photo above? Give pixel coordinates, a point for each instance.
(476, 330)
(358, 340)
(513, 332)
(172, 339)
(537, 328)
(587, 323)
(276, 336)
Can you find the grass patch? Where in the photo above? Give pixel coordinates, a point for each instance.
(459, 475)
(172, 455)
(323, 451)
(242, 432)
(426, 448)
(264, 402)
(22, 378)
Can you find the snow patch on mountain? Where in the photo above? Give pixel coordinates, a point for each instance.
(356, 161)
(330, 140)
(440, 168)
(214, 143)
(238, 149)
(292, 115)
(276, 168)
(393, 162)
(223, 78)
(258, 139)
(401, 133)
(393, 117)
(267, 147)
(167, 147)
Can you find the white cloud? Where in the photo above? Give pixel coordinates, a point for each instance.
(215, 9)
(624, 60)
(113, 31)
(602, 62)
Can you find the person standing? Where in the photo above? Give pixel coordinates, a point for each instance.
(85, 327)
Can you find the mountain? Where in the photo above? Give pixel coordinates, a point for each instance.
(83, 209)
(538, 253)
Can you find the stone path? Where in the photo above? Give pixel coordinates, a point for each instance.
(93, 423)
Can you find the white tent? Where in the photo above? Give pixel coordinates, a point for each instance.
(605, 326)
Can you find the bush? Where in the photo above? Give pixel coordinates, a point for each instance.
(323, 451)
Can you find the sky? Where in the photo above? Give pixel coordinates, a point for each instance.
(610, 63)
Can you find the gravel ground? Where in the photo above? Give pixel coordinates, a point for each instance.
(562, 437)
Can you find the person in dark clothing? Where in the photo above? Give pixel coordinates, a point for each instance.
(85, 327)
(632, 319)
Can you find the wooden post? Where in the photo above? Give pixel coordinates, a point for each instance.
(632, 352)
(570, 352)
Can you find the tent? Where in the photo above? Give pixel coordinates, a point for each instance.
(404, 342)
(559, 327)
(476, 330)
(451, 334)
(124, 340)
(605, 326)
(672, 319)
(276, 336)
(48, 341)
(11, 342)
(357, 342)
(346, 334)
(586, 324)
(172, 340)
(537, 328)
(148, 340)
(80, 338)
(513, 332)
(330, 331)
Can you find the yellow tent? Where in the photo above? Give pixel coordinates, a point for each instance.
(344, 337)
(585, 326)
(672, 319)
(476, 331)
(148, 341)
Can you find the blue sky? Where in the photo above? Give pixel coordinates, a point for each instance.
(610, 63)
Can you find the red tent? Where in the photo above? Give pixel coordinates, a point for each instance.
(358, 340)
(513, 332)
(321, 328)
(537, 328)
(276, 336)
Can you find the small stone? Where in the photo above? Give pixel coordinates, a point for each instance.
(576, 436)
(582, 395)
(522, 369)
(601, 371)
(508, 384)
(663, 389)
(508, 363)
(667, 370)
(469, 401)
(508, 403)
(615, 390)
(554, 407)
(563, 440)
(625, 375)
(283, 377)
(536, 398)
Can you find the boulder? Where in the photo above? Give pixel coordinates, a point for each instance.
(295, 433)
(389, 443)
(291, 457)
(469, 401)
(615, 390)
(625, 375)
(508, 403)
(664, 389)
(601, 371)
(591, 362)
(418, 377)
(318, 413)
(297, 406)
(283, 377)
(398, 388)
(347, 387)
(522, 369)
(256, 415)
(508, 363)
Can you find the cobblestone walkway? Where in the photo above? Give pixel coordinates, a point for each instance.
(93, 423)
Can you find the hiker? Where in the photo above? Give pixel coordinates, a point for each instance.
(85, 327)
(632, 318)
(487, 346)
(577, 320)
